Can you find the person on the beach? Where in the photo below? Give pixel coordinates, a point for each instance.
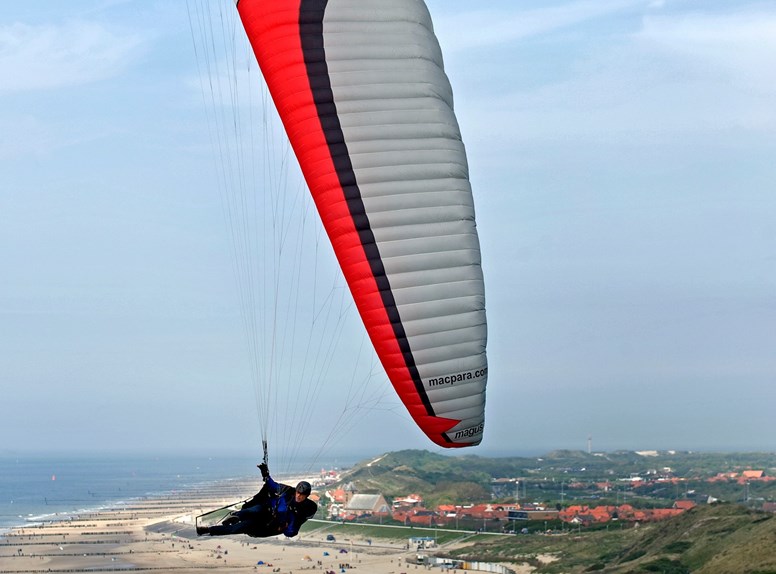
(276, 509)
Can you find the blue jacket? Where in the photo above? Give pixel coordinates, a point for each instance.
(288, 514)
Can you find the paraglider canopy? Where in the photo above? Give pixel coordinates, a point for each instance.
(362, 93)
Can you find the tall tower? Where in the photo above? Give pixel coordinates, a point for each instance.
(589, 444)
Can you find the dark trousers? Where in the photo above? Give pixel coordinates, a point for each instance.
(240, 527)
(255, 519)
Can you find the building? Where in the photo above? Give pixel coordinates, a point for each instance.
(532, 514)
(361, 505)
(409, 501)
(422, 542)
(750, 474)
(684, 504)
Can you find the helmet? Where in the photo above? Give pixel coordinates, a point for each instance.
(304, 488)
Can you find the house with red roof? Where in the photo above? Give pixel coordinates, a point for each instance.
(485, 512)
(579, 514)
(754, 476)
(750, 474)
(684, 504)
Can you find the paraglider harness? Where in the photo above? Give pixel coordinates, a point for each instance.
(225, 513)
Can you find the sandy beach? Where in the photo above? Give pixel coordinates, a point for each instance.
(158, 534)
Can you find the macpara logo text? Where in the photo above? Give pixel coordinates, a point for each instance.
(457, 378)
(470, 432)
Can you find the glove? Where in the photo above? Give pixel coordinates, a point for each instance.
(264, 470)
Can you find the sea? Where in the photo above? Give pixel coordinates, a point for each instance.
(35, 489)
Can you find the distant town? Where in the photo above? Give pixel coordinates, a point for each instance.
(568, 495)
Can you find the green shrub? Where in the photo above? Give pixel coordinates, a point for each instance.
(666, 566)
(678, 546)
(634, 555)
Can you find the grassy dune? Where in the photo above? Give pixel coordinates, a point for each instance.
(717, 539)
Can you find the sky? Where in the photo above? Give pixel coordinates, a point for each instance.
(621, 157)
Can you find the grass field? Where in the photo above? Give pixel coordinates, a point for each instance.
(389, 533)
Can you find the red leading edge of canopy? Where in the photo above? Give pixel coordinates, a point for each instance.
(274, 33)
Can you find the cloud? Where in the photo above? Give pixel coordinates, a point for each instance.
(493, 27)
(30, 136)
(739, 46)
(48, 56)
(708, 76)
